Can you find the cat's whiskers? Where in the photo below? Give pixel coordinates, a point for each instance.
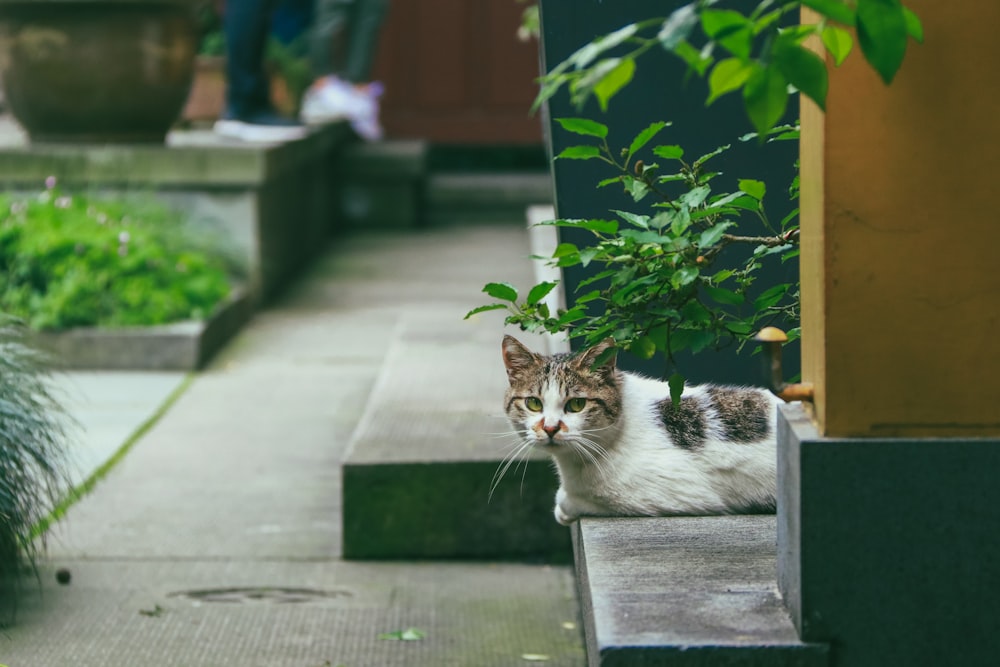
(519, 452)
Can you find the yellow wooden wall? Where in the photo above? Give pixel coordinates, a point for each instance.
(901, 236)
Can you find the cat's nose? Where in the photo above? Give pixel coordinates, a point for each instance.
(550, 430)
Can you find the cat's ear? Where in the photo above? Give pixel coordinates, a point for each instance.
(516, 357)
(600, 358)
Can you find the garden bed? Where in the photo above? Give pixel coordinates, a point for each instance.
(187, 345)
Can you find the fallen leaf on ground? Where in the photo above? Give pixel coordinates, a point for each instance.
(407, 635)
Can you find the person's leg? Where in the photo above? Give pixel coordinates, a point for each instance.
(362, 45)
(246, 26)
(330, 30)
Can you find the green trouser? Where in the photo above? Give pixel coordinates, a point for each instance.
(345, 37)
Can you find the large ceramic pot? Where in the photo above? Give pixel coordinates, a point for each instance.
(97, 70)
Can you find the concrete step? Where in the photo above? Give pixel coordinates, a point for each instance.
(685, 591)
(485, 196)
(418, 478)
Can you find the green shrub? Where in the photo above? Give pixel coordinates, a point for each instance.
(73, 260)
(32, 458)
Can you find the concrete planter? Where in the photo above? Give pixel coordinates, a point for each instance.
(187, 345)
(97, 70)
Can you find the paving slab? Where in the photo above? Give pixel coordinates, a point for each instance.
(234, 494)
(301, 614)
(685, 591)
(107, 407)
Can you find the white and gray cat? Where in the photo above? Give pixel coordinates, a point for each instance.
(623, 449)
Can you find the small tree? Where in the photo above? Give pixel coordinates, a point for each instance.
(658, 289)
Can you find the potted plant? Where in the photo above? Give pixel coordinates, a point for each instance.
(33, 465)
(97, 70)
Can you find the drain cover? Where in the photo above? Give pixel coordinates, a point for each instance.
(265, 594)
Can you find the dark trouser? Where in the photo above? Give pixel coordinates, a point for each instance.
(345, 37)
(246, 24)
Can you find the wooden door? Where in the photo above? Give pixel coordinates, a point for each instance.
(455, 72)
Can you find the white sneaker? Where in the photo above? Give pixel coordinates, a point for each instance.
(331, 99)
(263, 127)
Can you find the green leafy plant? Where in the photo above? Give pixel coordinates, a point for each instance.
(33, 474)
(75, 260)
(659, 286)
(755, 52)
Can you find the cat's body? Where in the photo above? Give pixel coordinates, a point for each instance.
(623, 449)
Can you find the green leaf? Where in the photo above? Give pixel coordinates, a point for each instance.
(838, 42)
(571, 315)
(713, 234)
(643, 236)
(676, 384)
(645, 137)
(678, 26)
(699, 61)
(669, 152)
(803, 69)
(770, 297)
(539, 292)
(641, 221)
(833, 9)
(502, 291)
(914, 28)
(693, 311)
(591, 51)
(579, 153)
(708, 156)
(635, 187)
(727, 75)
(722, 295)
(729, 28)
(765, 97)
(564, 250)
(587, 255)
(614, 80)
(483, 309)
(602, 226)
(755, 189)
(680, 221)
(684, 276)
(589, 128)
(643, 347)
(695, 196)
(882, 35)
(407, 635)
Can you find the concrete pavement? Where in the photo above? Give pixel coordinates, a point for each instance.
(215, 541)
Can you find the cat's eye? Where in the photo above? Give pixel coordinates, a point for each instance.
(575, 404)
(533, 403)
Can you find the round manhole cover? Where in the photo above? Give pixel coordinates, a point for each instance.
(262, 594)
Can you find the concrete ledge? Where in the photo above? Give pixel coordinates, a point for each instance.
(383, 184)
(417, 478)
(486, 197)
(185, 345)
(275, 203)
(890, 548)
(690, 591)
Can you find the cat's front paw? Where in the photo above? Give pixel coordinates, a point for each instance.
(564, 517)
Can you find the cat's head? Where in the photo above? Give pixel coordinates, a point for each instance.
(563, 401)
